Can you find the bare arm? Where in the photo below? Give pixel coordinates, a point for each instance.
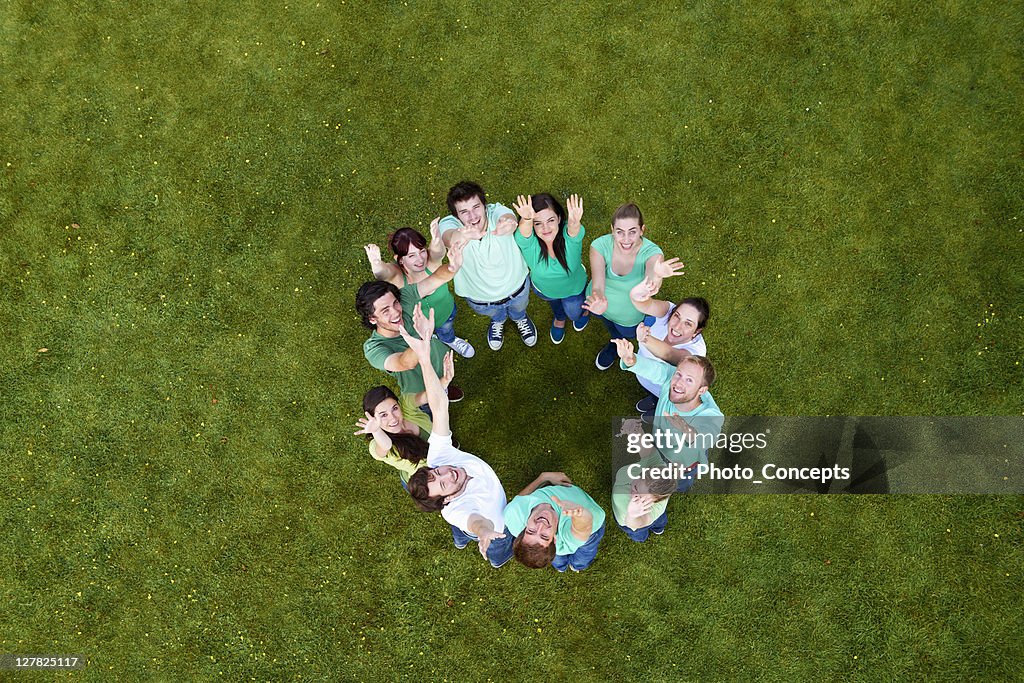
(557, 478)
(505, 225)
(400, 362)
(663, 350)
(642, 297)
(436, 396)
(435, 252)
(389, 272)
(524, 207)
(574, 207)
(442, 275)
(597, 272)
(381, 440)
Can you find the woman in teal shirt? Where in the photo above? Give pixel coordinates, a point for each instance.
(619, 262)
(552, 246)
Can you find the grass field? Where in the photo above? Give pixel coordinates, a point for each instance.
(184, 193)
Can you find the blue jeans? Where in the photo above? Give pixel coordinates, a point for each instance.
(446, 330)
(642, 534)
(570, 306)
(618, 331)
(514, 308)
(498, 553)
(584, 555)
(687, 482)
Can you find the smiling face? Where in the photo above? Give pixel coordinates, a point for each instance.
(545, 224)
(387, 314)
(446, 482)
(541, 525)
(687, 384)
(628, 234)
(682, 326)
(472, 213)
(414, 261)
(389, 414)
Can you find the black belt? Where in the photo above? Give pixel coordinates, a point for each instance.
(508, 298)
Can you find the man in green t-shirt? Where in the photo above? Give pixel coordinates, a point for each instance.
(379, 304)
(555, 523)
(494, 280)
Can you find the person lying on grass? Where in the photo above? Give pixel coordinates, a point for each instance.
(396, 429)
(552, 244)
(619, 262)
(676, 332)
(495, 282)
(686, 411)
(387, 311)
(459, 485)
(413, 263)
(555, 523)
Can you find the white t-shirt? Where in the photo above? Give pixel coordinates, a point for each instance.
(659, 330)
(483, 494)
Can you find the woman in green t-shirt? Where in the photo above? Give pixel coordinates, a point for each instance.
(619, 262)
(552, 246)
(414, 262)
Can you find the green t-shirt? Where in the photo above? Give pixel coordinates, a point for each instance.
(378, 348)
(492, 267)
(616, 287)
(548, 275)
(440, 301)
(706, 419)
(413, 414)
(518, 511)
(622, 491)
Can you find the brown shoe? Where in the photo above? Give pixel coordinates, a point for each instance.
(455, 394)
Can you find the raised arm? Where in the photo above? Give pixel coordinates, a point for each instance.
(556, 478)
(442, 275)
(389, 272)
(574, 207)
(505, 225)
(642, 297)
(582, 518)
(381, 440)
(660, 348)
(435, 252)
(483, 529)
(657, 269)
(524, 207)
(436, 396)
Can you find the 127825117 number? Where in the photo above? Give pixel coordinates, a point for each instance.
(14, 662)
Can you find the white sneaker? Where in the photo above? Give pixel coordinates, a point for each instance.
(461, 347)
(527, 330)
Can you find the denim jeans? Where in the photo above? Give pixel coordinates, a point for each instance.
(446, 331)
(618, 331)
(584, 555)
(570, 306)
(498, 553)
(642, 534)
(514, 308)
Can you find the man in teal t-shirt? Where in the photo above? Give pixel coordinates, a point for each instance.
(494, 278)
(555, 523)
(685, 409)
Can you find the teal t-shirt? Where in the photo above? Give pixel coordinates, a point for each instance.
(548, 275)
(616, 287)
(518, 511)
(378, 347)
(707, 418)
(622, 491)
(440, 301)
(492, 267)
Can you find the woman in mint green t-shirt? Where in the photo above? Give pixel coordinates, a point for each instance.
(619, 262)
(552, 246)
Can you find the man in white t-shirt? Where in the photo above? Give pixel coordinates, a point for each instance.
(494, 278)
(459, 485)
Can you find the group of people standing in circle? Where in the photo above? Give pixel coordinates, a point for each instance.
(496, 260)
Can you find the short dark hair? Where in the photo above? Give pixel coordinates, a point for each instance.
(463, 190)
(702, 306)
(629, 210)
(418, 490)
(705, 365)
(401, 239)
(533, 556)
(367, 297)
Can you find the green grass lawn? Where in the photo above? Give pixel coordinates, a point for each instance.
(185, 190)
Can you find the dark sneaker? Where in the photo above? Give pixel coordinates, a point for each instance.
(527, 330)
(495, 334)
(607, 357)
(647, 418)
(647, 404)
(455, 394)
(581, 324)
(557, 334)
